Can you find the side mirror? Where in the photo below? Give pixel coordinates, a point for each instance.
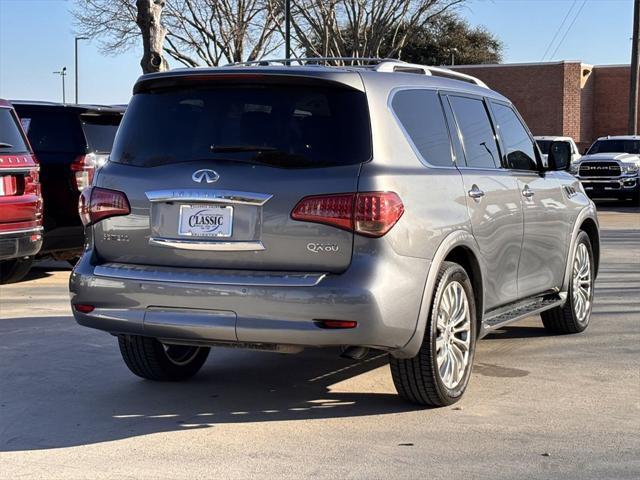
(559, 156)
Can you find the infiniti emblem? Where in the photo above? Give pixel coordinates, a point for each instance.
(205, 175)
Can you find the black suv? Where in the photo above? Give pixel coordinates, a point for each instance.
(70, 142)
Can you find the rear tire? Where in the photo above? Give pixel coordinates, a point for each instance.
(438, 375)
(574, 315)
(14, 270)
(148, 358)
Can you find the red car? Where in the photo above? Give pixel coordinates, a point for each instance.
(20, 199)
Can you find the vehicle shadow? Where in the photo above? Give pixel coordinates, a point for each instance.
(616, 205)
(72, 388)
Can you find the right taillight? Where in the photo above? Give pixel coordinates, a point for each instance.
(367, 213)
(97, 203)
(84, 168)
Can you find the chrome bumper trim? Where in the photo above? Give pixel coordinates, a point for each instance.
(208, 277)
(24, 230)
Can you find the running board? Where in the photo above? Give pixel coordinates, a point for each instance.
(521, 309)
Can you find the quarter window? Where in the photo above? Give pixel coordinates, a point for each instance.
(420, 113)
(478, 139)
(519, 147)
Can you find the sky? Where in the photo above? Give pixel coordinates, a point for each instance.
(37, 38)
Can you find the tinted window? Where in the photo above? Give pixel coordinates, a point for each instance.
(478, 138)
(290, 127)
(100, 130)
(11, 140)
(420, 113)
(615, 146)
(544, 146)
(52, 132)
(520, 154)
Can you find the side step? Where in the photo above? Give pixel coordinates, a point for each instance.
(518, 310)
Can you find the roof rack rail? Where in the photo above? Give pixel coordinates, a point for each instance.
(400, 66)
(376, 64)
(313, 61)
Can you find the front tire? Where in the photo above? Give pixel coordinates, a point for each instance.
(438, 375)
(574, 315)
(149, 358)
(14, 270)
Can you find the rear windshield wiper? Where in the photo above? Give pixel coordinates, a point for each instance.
(5, 145)
(241, 148)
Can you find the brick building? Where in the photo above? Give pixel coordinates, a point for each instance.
(563, 98)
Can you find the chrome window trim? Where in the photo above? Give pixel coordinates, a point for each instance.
(231, 197)
(208, 245)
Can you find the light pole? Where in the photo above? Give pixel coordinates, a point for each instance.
(287, 30)
(453, 56)
(63, 73)
(76, 64)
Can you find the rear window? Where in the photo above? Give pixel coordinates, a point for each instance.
(100, 130)
(52, 132)
(283, 126)
(11, 140)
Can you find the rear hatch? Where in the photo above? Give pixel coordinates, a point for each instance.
(20, 201)
(213, 167)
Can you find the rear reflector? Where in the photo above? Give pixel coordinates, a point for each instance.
(97, 203)
(336, 324)
(367, 213)
(82, 308)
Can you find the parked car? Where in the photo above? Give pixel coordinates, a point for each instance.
(70, 142)
(545, 142)
(20, 199)
(610, 168)
(282, 207)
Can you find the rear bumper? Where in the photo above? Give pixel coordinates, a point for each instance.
(195, 306)
(611, 187)
(20, 243)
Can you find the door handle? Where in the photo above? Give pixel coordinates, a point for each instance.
(475, 192)
(527, 192)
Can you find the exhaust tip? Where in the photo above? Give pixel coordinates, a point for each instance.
(354, 353)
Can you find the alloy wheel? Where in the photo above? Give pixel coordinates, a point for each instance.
(453, 336)
(582, 286)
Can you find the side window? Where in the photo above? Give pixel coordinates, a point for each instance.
(478, 139)
(420, 113)
(520, 153)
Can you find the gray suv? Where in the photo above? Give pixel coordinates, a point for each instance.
(391, 206)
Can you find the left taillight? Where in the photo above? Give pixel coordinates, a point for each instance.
(97, 203)
(84, 168)
(371, 214)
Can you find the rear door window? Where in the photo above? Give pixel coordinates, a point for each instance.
(11, 139)
(478, 138)
(284, 126)
(100, 131)
(520, 151)
(420, 114)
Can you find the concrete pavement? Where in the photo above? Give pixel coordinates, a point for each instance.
(538, 406)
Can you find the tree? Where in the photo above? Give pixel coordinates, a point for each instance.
(435, 43)
(361, 28)
(198, 32)
(148, 20)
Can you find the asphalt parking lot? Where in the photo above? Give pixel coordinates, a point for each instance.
(538, 406)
